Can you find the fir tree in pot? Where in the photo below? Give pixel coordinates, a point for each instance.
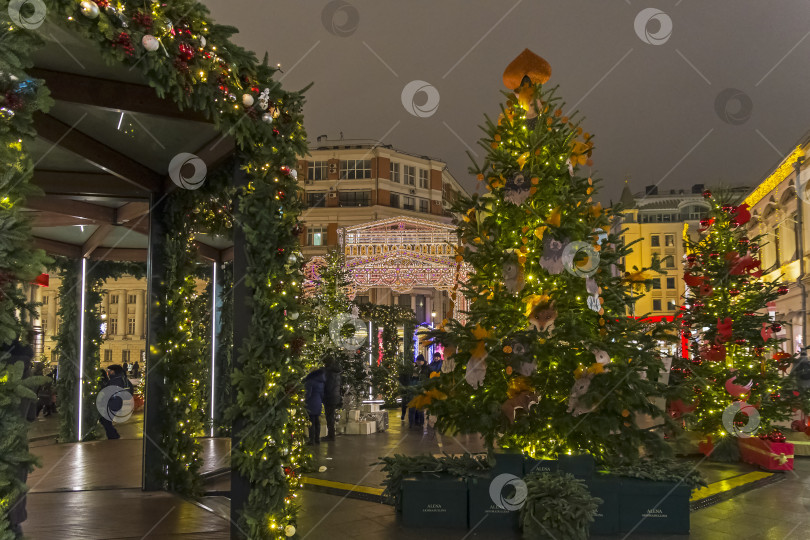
(557, 506)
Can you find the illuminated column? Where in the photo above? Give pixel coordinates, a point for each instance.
(139, 314)
(51, 316)
(122, 313)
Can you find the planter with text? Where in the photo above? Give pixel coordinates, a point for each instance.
(435, 501)
(606, 487)
(769, 455)
(484, 513)
(653, 507)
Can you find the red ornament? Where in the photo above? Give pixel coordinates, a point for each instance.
(740, 341)
(776, 436)
(705, 290)
(142, 19)
(743, 241)
(776, 327)
(754, 248)
(724, 330)
(714, 255)
(687, 334)
(726, 208)
(186, 52)
(783, 290)
(705, 223)
(692, 281)
(707, 194)
(741, 215)
(102, 3)
(734, 292)
(43, 280)
(691, 258)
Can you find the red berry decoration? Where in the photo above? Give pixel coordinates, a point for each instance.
(186, 52)
(707, 193)
(744, 241)
(734, 292)
(705, 222)
(687, 334)
(776, 327)
(123, 41)
(740, 341)
(754, 248)
(714, 254)
(783, 290)
(727, 208)
(691, 258)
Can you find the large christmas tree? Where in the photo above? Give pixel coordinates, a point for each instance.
(548, 361)
(733, 372)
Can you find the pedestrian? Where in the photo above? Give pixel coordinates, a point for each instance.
(436, 364)
(404, 392)
(12, 353)
(126, 367)
(313, 398)
(416, 417)
(136, 371)
(116, 377)
(332, 400)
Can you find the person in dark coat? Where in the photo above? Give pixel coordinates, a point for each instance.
(136, 371)
(18, 352)
(416, 417)
(436, 364)
(117, 377)
(332, 399)
(313, 398)
(404, 392)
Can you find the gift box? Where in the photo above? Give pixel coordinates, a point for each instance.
(370, 407)
(646, 506)
(380, 419)
(771, 456)
(435, 501)
(484, 512)
(361, 428)
(605, 487)
(353, 415)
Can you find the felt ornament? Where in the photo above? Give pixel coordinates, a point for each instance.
(678, 408)
(524, 401)
(540, 311)
(741, 215)
(724, 331)
(526, 68)
(578, 390)
(714, 353)
(517, 188)
(766, 332)
(591, 286)
(555, 218)
(513, 276)
(692, 281)
(705, 289)
(476, 371)
(745, 265)
(601, 357)
(423, 400)
(552, 255)
(737, 391)
(594, 303)
(636, 277)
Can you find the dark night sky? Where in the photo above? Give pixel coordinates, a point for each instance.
(652, 106)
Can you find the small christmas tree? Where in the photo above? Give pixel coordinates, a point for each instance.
(733, 371)
(548, 361)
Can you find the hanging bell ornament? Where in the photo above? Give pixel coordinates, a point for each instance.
(150, 43)
(89, 9)
(248, 100)
(267, 117)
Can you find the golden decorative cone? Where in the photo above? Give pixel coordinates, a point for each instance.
(527, 64)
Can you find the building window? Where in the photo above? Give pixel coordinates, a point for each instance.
(669, 262)
(44, 326)
(395, 172)
(113, 298)
(108, 355)
(696, 212)
(423, 206)
(316, 236)
(670, 283)
(316, 200)
(112, 327)
(131, 326)
(355, 198)
(410, 175)
(656, 305)
(395, 200)
(316, 170)
(669, 240)
(410, 203)
(423, 179)
(45, 300)
(354, 169)
(671, 304)
(656, 284)
(404, 300)
(361, 299)
(125, 356)
(655, 241)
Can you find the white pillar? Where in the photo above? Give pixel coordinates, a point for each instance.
(122, 313)
(139, 314)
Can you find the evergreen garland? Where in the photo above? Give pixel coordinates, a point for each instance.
(385, 370)
(223, 391)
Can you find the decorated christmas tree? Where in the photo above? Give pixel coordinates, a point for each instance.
(548, 361)
(733, 372)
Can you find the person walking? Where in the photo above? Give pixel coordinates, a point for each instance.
(116, 377)
(404, 391)
(332, 399)
(416, 417)
(11, 354)
(313, 398)
(136, 371)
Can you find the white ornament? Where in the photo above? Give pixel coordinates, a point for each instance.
(247, 100)
(289, 530)
(294, 315)
(322, 468)
(267, 117)
(89, 9)
(150, 43)
(202, 41)
(264, 99)
(294, 174)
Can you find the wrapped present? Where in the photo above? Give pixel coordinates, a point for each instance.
(379, 418)
(771, 456)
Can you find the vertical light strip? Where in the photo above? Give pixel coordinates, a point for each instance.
(81, 346)
(370, 358)
(213, 342)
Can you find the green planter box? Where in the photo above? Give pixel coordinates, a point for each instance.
(582, 466)
(484, 513)
(653, 507)
(606, 488)
(531, 465)
(508, 462)
(432, 500)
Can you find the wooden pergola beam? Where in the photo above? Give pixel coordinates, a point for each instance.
(207, 252)
(50, 219)
(85, 183)
(69, 207)
(115, 95)
(58, 248)
(96, 239)
(131, 211)
(96, 152)
(120, 254)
